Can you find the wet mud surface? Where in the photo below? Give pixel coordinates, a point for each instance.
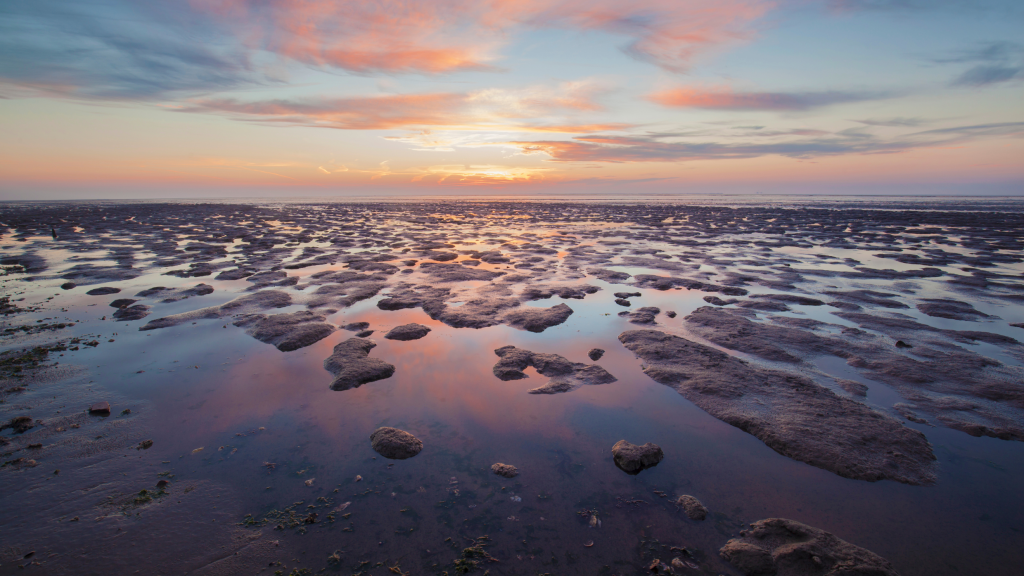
(855, 369)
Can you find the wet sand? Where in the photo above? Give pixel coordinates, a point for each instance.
(220, 385)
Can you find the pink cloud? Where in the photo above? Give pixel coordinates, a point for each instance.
(726, 99)
(436, 36)
(527, 110)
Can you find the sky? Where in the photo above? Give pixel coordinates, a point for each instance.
(324, 98)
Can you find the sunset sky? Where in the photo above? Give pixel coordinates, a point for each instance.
(311, 98)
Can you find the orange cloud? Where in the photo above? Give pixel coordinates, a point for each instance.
(534, 109)
(726, 99)
(439, 36)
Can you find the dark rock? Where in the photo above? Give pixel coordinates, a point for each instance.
(632, 459)
(100, 408)
(144, 445)
(407, 332)
(790, 413)
(103, 291)
(564, 375)
(351, 365)
(645, 315)
(693, 507)
(595, 354)
(287, 332)
(137, 312)
(68, 285)
(356, 326)
(364, 334)
(395, 444)
(902, 344)
(671, 314)
(715, 300)
(538, 319)
(563, 292)
(506, 470)
(781, 547)
(622, 302)
(122, 302)
(627, 294)
(19, 424)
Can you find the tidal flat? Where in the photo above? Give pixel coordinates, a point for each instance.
(817, 387)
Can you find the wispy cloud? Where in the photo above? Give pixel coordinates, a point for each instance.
(532, 109)
(898, 122)
(86, 50)
(647, 148)
(994, 63)
(726, 99)
(163, 49)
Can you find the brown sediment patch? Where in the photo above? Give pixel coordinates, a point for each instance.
(777, 546)
(928, 374)
(788, 412)
(538, 319)
(286, 331)
(564, 374)
(351, 365)
(407, 332)
(242, 305)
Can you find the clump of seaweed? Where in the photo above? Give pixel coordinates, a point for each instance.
(473, 555)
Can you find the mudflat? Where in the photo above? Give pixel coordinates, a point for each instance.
(204, 378)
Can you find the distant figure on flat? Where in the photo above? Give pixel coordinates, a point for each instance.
(54, 232)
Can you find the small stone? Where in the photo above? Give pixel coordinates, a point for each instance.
(407, 332)
(506, 470)
(100, 408)
(144, 445)
(631, 458)
(693, 507)
(595, 354)
(395, 444)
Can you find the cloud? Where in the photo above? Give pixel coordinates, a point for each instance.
(893, 122)
(726, 99)
(465, 35)
(920, 5)
(163, 49)
(532, 109)
(648, 148)
(995, 63)
(115, 51)
(986, 75)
